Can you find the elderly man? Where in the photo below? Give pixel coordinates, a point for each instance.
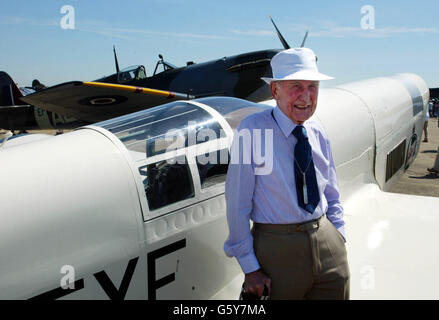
(297, 245)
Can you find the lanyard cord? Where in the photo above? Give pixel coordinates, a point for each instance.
(298, 166)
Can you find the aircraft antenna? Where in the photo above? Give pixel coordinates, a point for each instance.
(115, 59)
(304, 39)
(281, 38)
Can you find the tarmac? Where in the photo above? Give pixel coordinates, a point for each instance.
(417, 180)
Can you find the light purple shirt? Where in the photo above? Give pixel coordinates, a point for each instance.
(272, 198)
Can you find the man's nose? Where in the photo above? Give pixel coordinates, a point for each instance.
(305, 95)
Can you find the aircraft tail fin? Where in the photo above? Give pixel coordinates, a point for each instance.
(10, 94)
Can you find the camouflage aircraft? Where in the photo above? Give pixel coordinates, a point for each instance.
(76, 103)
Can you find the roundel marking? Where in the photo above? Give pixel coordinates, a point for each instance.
(106, 100)
(102, 101)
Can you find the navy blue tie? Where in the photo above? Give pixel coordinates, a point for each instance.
(304, 172)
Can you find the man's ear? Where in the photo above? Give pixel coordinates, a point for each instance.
(273, 88)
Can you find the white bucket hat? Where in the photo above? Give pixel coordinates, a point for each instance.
(295, 64)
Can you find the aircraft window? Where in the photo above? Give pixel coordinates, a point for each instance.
(228, 105)
(131, 73)
(167, 182)
(212, 167)
(141, 73)
(166, 66)
(26, 90)
(165, 128)
(232, 109)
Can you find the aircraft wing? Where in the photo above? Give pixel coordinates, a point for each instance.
(391, 244)
(96, 101)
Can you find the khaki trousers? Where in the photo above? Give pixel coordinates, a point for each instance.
(305, 261)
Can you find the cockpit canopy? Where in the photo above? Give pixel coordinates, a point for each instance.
(179, 124)
(180, 149)
(166, 65)
(163, 128)
(131, 73)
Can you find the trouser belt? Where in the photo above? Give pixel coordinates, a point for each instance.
(291, 227)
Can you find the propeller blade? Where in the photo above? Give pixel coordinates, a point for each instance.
(281, 38)
(115, 59)
(304, 39)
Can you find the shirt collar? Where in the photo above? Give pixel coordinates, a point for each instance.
(285, 124)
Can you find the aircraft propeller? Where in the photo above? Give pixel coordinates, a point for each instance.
(304, 39)
(115, 59)
(282, 39)
(284, 43)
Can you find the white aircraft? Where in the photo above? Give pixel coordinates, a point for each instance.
(109, 211)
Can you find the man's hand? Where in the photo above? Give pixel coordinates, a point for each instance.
(254, 282)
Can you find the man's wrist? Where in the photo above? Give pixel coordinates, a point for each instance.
(249, 263)
(253, 272)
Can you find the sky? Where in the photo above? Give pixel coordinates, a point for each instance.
(353, 40)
